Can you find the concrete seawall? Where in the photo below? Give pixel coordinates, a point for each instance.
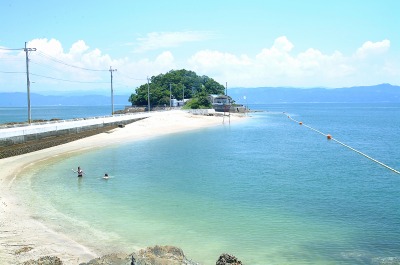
(17, 134)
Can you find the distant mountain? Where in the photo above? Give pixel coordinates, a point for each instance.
(259, 95)
(361, 94)
(20, 100)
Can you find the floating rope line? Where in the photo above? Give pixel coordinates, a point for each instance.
(329, 137)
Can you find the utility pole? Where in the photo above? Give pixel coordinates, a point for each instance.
(148, 95)
(170, 96)
(28, 83)
(112, 90)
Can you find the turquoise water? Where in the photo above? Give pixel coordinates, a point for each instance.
(266, 190)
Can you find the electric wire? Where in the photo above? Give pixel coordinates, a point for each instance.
(46, 57)
(124, 75)
(12, 59)
(44, 65)
(343, 144)
(49, 57)
(72, 81)
(12, 49)
(12, 72)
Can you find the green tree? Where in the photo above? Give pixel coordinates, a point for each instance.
(201, 101)
(183, 83)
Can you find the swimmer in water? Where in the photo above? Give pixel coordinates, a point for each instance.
(79, 172)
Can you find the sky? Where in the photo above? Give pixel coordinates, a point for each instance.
(253, 43)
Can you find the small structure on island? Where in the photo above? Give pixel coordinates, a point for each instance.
(220, 103)
(174, 102)
(219, 99)
(223, 103)
(181, 103)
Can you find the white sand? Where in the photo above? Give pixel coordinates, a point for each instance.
(18, 229)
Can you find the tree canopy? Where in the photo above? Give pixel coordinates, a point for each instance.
(183, 83)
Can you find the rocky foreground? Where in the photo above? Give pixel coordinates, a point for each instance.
(157, 255)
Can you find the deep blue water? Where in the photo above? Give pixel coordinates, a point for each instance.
(266, 190)
(20, 114)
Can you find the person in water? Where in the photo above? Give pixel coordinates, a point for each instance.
(80, 172)
(105, 176)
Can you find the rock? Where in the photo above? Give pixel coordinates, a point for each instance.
(114, 258)
(162, 255)
(226, 259)
(157, 255)
(47, 260)
(22, 250)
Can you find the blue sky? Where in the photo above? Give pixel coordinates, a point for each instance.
(244, 43)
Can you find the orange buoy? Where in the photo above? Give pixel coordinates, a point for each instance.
(300, 123)
(328, 136)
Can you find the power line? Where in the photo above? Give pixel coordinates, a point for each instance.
(45, 66)
(72, 81)
(54, 78)
(58, 61)
(58, 70)
(11, 59)
(131, 77)
(7, 72)
(49, 57)
(11, 49)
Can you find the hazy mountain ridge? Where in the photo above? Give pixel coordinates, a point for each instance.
(20, 99)
(360, 94)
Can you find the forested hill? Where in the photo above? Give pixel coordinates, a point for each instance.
(361, 94)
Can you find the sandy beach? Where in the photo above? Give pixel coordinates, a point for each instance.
(22, 237)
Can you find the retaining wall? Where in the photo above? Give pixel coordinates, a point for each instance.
(16, 134)
(207, 112)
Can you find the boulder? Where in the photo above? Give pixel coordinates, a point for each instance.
(162, 255)
(227, 259)
(114, 258)
(47, 260)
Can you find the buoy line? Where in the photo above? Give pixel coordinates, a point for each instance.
(329, 137)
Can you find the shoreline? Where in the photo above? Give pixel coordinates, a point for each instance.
(23, 237)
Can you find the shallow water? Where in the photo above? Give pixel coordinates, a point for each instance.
(266, 190)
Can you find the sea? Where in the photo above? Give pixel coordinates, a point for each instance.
(267, 189)
(20, 114)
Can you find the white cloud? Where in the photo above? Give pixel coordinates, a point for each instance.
(78, 47)
(52, 47)
(218, 64)
(277, 65)
(208, 59)
(373, 48)
(282, 44)
(159, 40)
(165, 59)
